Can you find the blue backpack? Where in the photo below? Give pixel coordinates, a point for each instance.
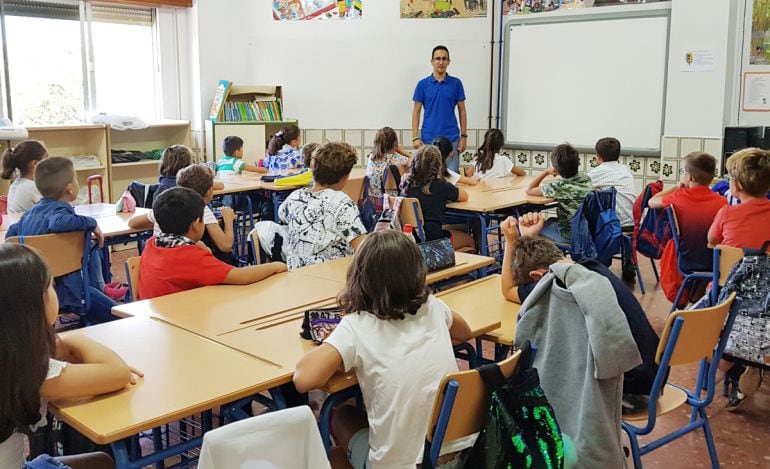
(595, 228)
(654, 231)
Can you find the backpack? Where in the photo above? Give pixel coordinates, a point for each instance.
(595, 227)
(651, 233)
(143, 194)
(749, 339)
(520, 428)
(370, 207)
(389, 218)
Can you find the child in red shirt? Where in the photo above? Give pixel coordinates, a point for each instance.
(176, 260)
(745, 225)
(696, 207)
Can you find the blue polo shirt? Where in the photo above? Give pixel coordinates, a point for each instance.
(439, 99)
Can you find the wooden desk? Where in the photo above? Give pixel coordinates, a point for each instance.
(246, 182)
(184, 374)
(337, 269)
(497, 194)
(211, 311)
(482, 301)
(113, 225)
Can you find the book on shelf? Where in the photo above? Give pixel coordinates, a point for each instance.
(220, 98)
(249, 103)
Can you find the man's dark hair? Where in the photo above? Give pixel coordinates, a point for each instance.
(232, 144)
(608, 148)
(176, 209)
(566, 160)
(439, 48)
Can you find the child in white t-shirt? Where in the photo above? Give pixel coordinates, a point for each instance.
(444, 145)
(398, 338)
(41, 365)
(23, 158)
(489, 162)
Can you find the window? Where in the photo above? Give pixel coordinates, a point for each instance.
(48, 44)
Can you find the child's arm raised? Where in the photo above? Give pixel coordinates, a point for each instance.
(253, 273)
(657, 200)
(509, 287)
(460, 332)
(316, 367)
(223, 237)
(534, 186)
(94, 370)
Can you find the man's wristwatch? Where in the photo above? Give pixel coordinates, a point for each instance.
(464, 135)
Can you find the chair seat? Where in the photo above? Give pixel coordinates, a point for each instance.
(339, 459)
(671, 399)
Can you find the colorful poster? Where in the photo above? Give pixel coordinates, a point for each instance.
(760, 33)
(523, 7)
(298, 10)
(443, 8)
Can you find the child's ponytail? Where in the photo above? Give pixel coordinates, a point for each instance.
(385, 142)
(20, 157)
(492, 144)
(281, 138)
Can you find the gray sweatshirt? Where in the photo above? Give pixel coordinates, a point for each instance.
(584, 347)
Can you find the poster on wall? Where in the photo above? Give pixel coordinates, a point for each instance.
(443, 8)
(299, 10)
(760, 33)
(524, 7)
(756, 91)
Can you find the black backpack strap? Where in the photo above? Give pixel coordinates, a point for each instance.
(396, 176)
(492, 376)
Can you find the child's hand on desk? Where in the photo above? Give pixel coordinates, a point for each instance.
(531, 224)
(228, 215)
(135, 374)
(99, 236)
(509, 226)
(279, 267)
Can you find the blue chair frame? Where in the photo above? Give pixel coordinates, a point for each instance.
(688, 277)
(696, 399)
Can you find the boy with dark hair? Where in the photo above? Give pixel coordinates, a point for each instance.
(696, 207)
(323, 223)
(527, 259)
(232, 162)
(307, 153)
(176, 260)
(569, 191)
(57, 182)
(610, 173)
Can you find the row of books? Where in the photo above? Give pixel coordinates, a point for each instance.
(237, 111)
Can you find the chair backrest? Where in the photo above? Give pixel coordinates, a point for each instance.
(410, 213)
(255, 247)
(132, 275)
(725, 257)
(63, 252)
(470, 400)
(700, 333)
(390, 178)
(354, 188)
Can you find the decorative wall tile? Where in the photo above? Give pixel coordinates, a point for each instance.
(591, 162)
(466, 158)
(521, 158)
(353, 137)
(636, 164)
(669, 147)
(333, 135)
(713, 146)
(313, 136)
(670, 170)
(687, 145)
(540, 160)
(652, 167)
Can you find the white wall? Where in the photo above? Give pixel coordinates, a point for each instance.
(696, 101)
(339, 74)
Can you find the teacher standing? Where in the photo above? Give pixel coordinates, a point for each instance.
(439, 93)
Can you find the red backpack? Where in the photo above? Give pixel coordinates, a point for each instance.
(652, 230)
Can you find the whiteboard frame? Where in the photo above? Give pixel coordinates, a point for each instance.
(653, 10)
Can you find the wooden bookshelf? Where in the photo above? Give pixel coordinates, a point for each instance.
(157, 135)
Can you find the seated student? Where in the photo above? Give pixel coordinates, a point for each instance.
(323, 223)
(386, 152)
(387, 302)
(739, 225)
(569, 192)
(307, 154)
(232, 162)
(744, 226)
(200, 179)
(174, 158)
(283, 150)
(526, 260)
(610, 173)
(425, 182)
(447, 151)
(38, 366)
(23, 194)
(176, 260)
(696, 207)
(489, 162)
(56, 180)
(585, 347)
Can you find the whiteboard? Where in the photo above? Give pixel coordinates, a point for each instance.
(354, 74)
(579, 78)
